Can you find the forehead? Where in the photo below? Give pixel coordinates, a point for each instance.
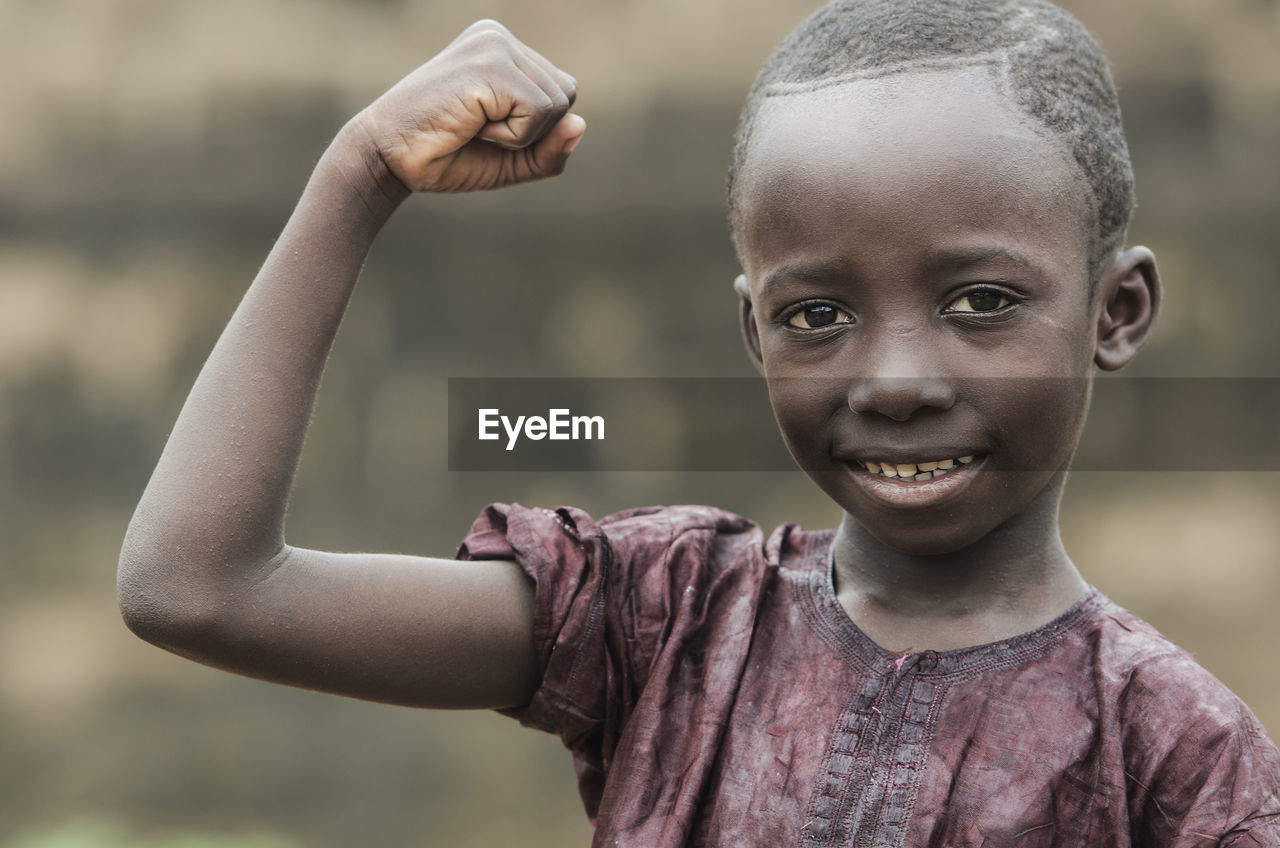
(912, 161)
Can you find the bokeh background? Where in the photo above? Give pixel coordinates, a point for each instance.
(151, 150)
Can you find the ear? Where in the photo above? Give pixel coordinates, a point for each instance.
(750, 334)
(1129, 298)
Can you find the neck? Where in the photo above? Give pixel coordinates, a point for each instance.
(1012, 580)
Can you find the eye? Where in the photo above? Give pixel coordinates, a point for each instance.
(815, 316)
(979, 300)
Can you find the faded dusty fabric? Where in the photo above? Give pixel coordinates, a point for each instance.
(713, 692)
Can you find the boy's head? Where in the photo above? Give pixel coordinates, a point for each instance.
(1038, 55)
(928, 199)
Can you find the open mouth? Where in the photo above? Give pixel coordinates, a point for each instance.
(916, 485)
(916, 471)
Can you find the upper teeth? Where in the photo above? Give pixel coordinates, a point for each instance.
(916, 470)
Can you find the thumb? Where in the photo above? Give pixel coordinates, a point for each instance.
(548, 156)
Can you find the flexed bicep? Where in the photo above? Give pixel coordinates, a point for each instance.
(204, 569)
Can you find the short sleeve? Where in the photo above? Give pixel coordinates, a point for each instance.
(614, 602)
(567, 556)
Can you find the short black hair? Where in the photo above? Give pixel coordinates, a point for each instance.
(1042, 57)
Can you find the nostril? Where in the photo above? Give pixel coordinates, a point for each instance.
(899, 398)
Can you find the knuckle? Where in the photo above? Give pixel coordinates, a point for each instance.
(486, 24)
(489, 42)
(473, 91)
(539, 102)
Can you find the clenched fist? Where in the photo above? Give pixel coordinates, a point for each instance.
(486, 112)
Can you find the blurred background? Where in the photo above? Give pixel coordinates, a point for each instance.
(152, 149)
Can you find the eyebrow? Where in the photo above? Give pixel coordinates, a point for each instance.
(939, 260)
(964, 257)
(818, 273)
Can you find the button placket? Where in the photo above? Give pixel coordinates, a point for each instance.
(909, 754)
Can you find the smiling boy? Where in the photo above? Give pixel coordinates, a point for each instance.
(929, 201)
(941, 257)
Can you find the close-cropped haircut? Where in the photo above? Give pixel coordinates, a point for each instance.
(1041, 57)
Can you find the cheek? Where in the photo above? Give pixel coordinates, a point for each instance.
(1038, 420)
(829, 360)
(804, 409)
(1060, 339)
(783, 361)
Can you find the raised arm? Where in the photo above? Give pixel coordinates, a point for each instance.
(205, 570)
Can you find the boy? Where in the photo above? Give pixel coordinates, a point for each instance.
(929, 202)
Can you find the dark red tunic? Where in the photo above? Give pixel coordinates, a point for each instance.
(714, 692)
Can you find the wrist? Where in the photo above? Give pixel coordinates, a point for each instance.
(353, 160)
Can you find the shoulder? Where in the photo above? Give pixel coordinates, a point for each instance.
(667, 523)
(683, 534)
(1196, 757)
(684, 542)
(1156, 681)
(683, 549)
(643, 526)
(611, 594)
(1159, 689)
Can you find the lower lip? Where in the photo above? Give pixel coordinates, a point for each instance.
(909, 494)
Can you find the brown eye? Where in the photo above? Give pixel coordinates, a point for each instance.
(818, 315)
(980, 300)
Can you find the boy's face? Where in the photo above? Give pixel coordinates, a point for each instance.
(919, 255)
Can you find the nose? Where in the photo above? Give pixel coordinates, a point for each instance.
(897, 371)
(900, 397)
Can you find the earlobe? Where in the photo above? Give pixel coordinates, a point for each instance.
(1129, 298)
(750, 333)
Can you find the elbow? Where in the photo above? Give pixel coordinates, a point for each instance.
(156, 611)
(148, 614)
(181, 586)
(161, 600)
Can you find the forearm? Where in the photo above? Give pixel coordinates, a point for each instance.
(213, 512)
